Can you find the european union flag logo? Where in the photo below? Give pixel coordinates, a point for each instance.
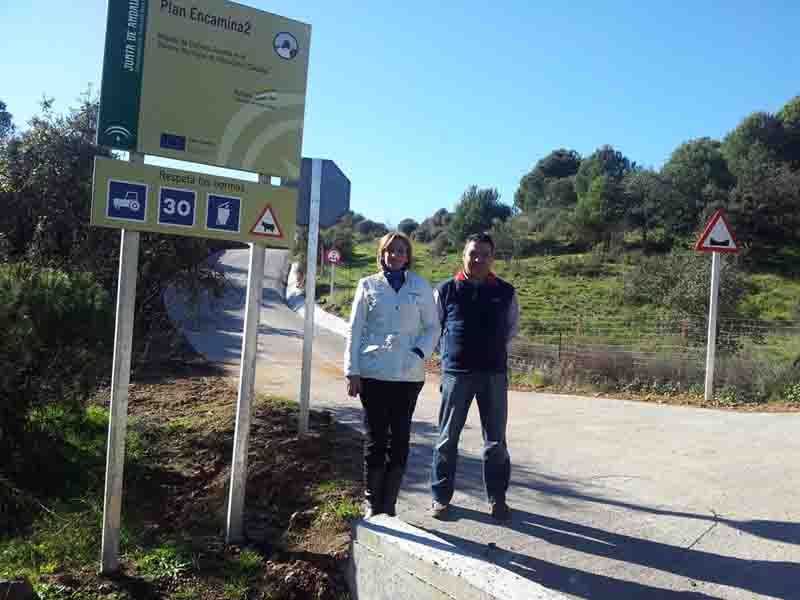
(170, 141)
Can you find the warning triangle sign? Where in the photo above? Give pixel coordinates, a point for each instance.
(267, 225)
(717, 236)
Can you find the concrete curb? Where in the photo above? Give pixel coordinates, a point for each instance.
(295, 299)
(392, 560)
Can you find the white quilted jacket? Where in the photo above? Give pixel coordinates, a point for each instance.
(385, 325)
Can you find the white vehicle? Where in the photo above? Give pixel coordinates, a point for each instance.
(130, 201)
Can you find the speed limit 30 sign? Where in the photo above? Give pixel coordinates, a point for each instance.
(177, 207)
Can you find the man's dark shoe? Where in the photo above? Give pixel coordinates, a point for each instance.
(439, 510)
(500, 511)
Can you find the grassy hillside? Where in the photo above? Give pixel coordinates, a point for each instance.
(563, 285)
(575, 302)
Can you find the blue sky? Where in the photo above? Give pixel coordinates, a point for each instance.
(416, 101)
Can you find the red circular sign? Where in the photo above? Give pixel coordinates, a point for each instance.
(334, 256)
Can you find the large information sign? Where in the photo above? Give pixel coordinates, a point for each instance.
(205, 81)
(146, 198)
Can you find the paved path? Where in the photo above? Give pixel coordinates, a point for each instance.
(613, 500)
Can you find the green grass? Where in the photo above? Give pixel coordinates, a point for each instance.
(240, 572)
(562, 287)
(162, 562)
(66, 534)
(278, 402)
(577, 298)
(336, 501)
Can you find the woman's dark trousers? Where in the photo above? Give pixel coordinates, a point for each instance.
(388, 407)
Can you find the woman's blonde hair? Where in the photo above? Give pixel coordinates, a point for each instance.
(386, 240)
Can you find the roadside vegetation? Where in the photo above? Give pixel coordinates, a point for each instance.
(301, 496)
(613, 297)
(613, 300)
(58, 280)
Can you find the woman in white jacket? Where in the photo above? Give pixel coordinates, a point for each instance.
(393, 329)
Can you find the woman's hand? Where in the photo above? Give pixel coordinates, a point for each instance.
(353, 385)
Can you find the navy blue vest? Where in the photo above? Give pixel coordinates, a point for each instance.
(475, 330)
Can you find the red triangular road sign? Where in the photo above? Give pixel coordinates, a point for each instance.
(717, 236)
(267, 224)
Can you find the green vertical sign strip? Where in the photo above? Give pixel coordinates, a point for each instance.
(122, 74)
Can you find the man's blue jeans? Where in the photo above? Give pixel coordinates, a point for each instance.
(458, 390)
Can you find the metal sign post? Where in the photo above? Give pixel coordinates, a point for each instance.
(234, 529)
(712, 327)
(334, 256)
(717, 238)
(254, 123)
(310, 289)
(120, 379)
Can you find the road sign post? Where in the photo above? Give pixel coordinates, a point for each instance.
(234, 527)
(120, 379)
(711, 346)
(310, 290)
(334, 256)
(250, 67)
(717, 238)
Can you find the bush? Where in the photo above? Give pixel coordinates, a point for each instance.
(681, 281)
(340, 236)
(371, 229)
(572, 266)
(424, 233)
(57, 342)
(407, 226)
(441, 245)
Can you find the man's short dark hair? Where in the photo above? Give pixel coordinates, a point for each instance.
(480, 238)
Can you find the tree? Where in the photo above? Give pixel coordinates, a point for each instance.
(588, 214)
(340, 236)
(475, 212)
(764, 204)
(759, 137)
(441, 217)
(648, 193)
(407, 226)
(6, 121)
(697, 169)
(510, 239)
(601, 208)
(604, 162)
(790, 117)
(534, 189)
(46, 183)
(371, 229)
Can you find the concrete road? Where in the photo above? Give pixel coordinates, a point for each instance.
(612, 499)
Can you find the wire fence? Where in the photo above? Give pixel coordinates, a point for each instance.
(751, 355)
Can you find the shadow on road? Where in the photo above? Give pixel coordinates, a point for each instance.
(569, 580)
(778, 579)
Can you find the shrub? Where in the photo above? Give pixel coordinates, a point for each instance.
(56, 343)
(441, 245)
(407, 226)
(680, 282)
(371, 229)
(590, 267)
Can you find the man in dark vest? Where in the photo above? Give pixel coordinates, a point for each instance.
(479, 314)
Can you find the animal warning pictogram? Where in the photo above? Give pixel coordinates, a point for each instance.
(267, 225)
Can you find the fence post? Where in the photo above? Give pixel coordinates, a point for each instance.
(559, 347)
